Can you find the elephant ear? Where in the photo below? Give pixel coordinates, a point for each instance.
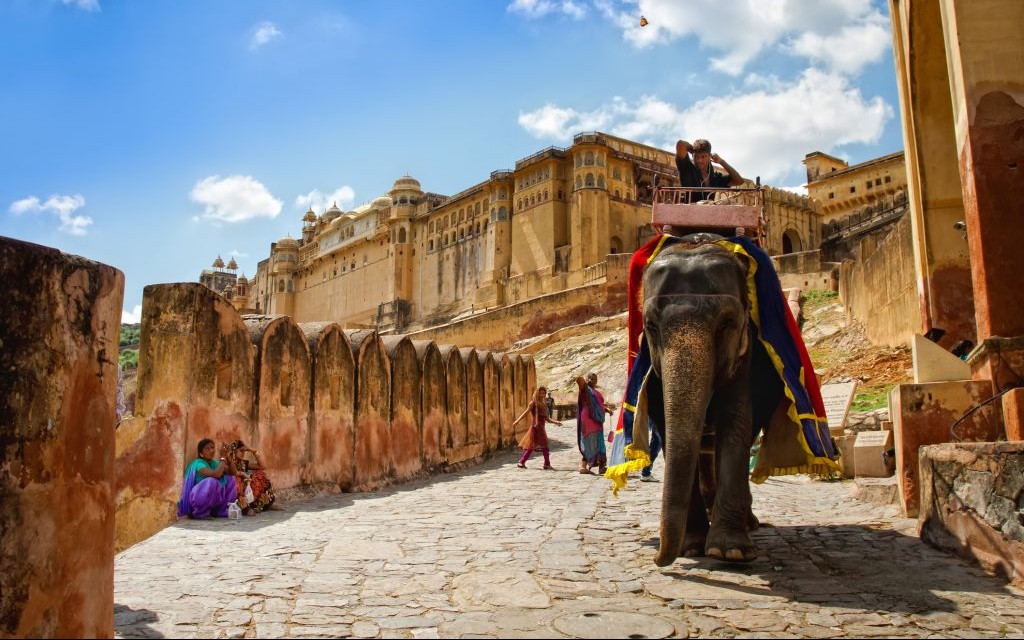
(745, 336)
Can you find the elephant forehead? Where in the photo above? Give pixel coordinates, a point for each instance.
(705, 270)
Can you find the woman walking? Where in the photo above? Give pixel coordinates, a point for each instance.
(590, 412)
(536, 437)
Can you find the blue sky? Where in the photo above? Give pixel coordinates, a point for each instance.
(155, 135)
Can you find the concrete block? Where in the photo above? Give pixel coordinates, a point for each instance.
(968, 503)
(846, 448)
(923, 414)
(868, 448)
(932, 363)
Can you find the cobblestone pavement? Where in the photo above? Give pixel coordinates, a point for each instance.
(497, 551)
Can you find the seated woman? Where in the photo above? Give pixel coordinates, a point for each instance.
(253, 474)
(207, 491)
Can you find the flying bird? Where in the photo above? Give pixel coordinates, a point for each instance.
(643, 21)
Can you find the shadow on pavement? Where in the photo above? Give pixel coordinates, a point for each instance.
(845, 566)
(134, 623)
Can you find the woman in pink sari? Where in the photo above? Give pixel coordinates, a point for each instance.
(590, 413)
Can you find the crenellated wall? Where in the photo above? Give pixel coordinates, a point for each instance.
(326, 407)
(58, 378)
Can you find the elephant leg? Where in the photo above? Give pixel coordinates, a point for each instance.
(697, 523)
(729, 536)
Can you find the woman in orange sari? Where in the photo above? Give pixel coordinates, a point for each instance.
(252, 475)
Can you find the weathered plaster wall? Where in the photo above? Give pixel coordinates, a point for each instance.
(492, 401)
(373, 409)
(332, 405)
(433, 402)
(971, 496)
(458, 421)
(406, 412)
(196, 380)
(474, 402)
(879, 290)
(281, 406)
(59, 325)
(507, 402)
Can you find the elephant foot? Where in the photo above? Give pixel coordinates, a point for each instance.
(694, 544)
(732, 546)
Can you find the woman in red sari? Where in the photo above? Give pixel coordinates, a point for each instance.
(537, 436)
(252, 474)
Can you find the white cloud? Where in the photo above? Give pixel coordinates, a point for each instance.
(764, 132)
(88, 5)
(319, 201)
(132, 317)
(540, 8)
(235, 199)
(238, 254)
(265, 33)
(844, 35)
(848, 50)
(63, 206)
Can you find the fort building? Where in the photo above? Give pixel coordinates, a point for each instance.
(413, 258)
(839, 189)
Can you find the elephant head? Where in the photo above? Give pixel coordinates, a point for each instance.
(695, 311)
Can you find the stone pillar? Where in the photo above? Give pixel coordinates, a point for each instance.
(59, 322)
(936, 203)
(986, 77)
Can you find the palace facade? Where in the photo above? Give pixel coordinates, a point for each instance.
(412, 258)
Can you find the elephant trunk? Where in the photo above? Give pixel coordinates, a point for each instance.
(687, 374)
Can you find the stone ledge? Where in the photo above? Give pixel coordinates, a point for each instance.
(881, 491)
(971, 495)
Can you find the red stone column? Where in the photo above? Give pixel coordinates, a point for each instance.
(59, 322)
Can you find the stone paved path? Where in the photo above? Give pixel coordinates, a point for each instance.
(496, 551)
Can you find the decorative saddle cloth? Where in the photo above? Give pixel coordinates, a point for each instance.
(798, 441)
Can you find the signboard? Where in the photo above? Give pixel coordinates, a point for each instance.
(837, 398)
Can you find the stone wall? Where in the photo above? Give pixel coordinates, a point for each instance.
(59, 329)
(880, 289)
(326, 407)
(971, 496)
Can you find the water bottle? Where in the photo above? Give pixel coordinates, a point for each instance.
(234, 511)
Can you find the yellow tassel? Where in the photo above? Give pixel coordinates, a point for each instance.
(636, 460)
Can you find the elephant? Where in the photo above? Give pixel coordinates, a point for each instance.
(710, 377)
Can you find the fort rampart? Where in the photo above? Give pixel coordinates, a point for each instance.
(328, 408)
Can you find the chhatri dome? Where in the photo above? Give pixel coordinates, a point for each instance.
(233, 265)
(310, 216)
(407, 183)
(332, 213)
(381, 202)
(287, 242)
(218, 263)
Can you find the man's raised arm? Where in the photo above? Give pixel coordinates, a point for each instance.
(735, 179)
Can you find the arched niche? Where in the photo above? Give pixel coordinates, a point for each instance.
(406, 414)
(433, 401)
(522, 394)
(474, 402)
(492, 403)
(507, 407)
(372, 409)
(457, 422)
(332, 410)
(283, 388)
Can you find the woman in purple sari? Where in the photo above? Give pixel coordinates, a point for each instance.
(209, 485)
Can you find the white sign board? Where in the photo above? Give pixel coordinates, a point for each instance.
(837, 398)
(873, 439)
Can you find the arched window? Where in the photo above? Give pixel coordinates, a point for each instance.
(590, 180)
(430, 245)
(589, 160)
(616, 245)
(502, 213)
(445, 223)
(617, 194)
(462, 215)
(478, 228)
(559, 194)
(600, 180)
(600, 159)
(628, 196)
(446, 239)
(401, 234)
(462, 233)
(579, 182)
(280, 286)
(617, 173)
(531, 200)
(579, 161)
(485, 225)
(289, 286)
(476, 209)
(545, 194)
